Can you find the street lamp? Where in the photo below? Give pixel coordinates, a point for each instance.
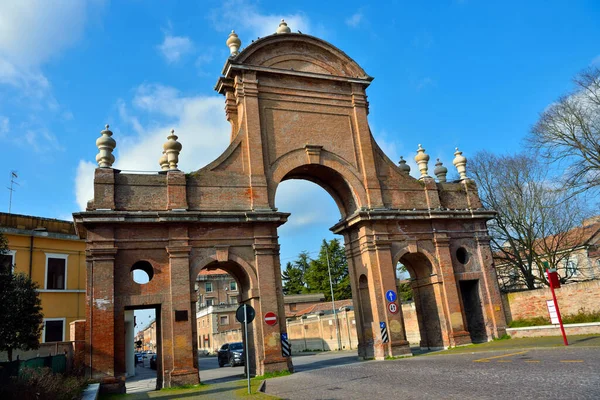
(337, 328)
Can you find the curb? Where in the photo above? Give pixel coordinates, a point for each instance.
(91, 392)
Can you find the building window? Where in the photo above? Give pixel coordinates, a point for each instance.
(209, 302)
(54, 330)
(208, 287)
(571, 268)
(233, 286)
(56, 271)
(224, 320)
(233, 300)
(7, 261)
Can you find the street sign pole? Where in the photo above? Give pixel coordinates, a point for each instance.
(562, 328)
(247, 356)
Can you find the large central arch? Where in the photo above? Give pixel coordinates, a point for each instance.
(298, 110)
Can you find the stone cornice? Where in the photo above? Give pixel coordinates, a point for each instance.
(166, 217)
(399, 215)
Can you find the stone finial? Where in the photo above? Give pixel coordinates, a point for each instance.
(460, 162)
(164, 162)
(283, 27)
(172, 148)
(404, 167)
(440, 171)
(234, 43)
(106, 144)
(421, 158)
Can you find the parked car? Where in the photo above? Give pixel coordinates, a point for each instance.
(232, 354)
(153, 361)
(139, 357)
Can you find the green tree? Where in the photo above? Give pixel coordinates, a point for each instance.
(20, 310)
(317, 275)
(293, 279)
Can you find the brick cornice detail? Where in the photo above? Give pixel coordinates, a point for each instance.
(106, 254)
(266, 249)
(179, 251)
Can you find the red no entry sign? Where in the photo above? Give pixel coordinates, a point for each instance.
(270, 318)
(393, 308)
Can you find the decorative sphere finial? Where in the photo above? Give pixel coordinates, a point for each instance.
(404, 167)
(106, 144)
(283, 27)
(172, 148)
(422, 159)
(460, 162)
(234, 43)
(440, 171)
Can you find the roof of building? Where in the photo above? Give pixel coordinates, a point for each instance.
(320, 307)
(30, 225)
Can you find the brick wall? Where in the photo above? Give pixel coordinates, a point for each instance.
(571, 298)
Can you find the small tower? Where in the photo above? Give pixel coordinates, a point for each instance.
(172, 148)
(404, 167)
(460, 162)
(106, 144)
(283, 28)
(234, 43)
(422, 159)
(440, 171)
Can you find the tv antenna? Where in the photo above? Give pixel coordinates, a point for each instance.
(11, 189)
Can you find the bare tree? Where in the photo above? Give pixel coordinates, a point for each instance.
(533, 229)
(568, 132)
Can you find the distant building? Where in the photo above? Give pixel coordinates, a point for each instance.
(582, 263)
(49, 251)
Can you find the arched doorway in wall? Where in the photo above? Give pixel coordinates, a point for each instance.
(316, 320)
(417, 279)
(219, 289)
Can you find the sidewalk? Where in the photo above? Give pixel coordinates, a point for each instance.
(523, 343)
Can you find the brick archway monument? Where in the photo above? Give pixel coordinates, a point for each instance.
(298, 110)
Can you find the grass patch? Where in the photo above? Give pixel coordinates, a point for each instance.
(194, 386)
(525, 322)
(506, 336)
(274, 374)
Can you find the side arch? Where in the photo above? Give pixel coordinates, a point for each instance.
(199, 264)
(405, 250)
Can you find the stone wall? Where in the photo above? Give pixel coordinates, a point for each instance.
(571, 298)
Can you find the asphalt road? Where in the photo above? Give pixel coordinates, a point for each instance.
(554, 373)
(211, 373)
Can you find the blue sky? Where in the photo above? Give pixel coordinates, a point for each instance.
(473, 74)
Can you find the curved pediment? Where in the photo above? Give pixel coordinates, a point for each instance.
(299, 52)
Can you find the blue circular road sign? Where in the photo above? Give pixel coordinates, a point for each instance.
(390, 296)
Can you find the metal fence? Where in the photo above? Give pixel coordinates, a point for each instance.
(57, 363)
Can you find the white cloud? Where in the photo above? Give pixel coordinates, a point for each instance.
(4, 125)
(227, 18)
(173, 48)
(34, 31)
(84, 183)
(425, 83)
(199, 121)
(354, 20)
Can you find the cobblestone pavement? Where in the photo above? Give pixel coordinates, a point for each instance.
(551, 373)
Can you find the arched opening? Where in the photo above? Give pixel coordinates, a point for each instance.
(318, 297)
(420, 308)
(220, 288)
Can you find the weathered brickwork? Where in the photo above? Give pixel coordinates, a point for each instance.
(298, 110)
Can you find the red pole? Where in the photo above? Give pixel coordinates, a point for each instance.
(562, 328)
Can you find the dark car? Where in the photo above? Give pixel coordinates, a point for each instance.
(232, 354)
(153, 361)
(139, 357)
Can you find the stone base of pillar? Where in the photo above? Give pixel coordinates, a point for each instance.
(183, 377)
(401, 348)
(366, 351)
(112, 385)
(460, 338)
(275, 366)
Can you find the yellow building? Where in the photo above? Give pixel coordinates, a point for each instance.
(51, 253)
